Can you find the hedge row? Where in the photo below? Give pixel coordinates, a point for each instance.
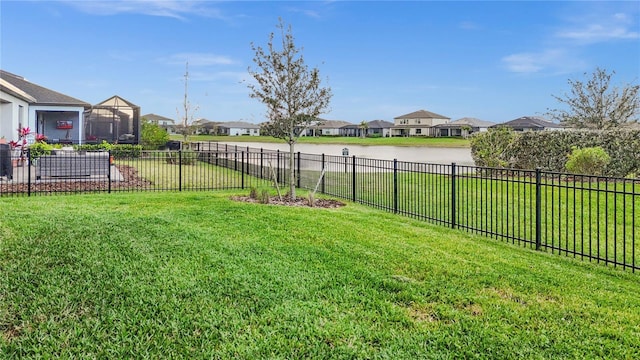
(118, 151)
(549, 150)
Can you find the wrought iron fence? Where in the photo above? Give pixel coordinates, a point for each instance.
(583, 216)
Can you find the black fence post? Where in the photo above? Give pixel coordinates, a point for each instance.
(538, 208)
(29, 172)
(242, 172)
(109, 172)
(395, 186)
(353, 181)
(261, 164)
(235, 159)
(298, 171)
(322, 190)
(179, 170)
(453, 195)
(278, 166)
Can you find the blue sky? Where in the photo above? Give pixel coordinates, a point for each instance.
(491, 60)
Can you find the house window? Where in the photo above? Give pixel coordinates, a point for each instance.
(418, 131)
(418, 121)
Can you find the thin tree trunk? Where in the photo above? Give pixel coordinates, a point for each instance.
(292, 172)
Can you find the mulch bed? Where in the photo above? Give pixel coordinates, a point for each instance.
(129, 174)
(288, 201)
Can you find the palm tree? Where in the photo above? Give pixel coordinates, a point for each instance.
(363, 128)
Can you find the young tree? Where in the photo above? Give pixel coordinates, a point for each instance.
(185, 128)
(291, 91)
(596, 104)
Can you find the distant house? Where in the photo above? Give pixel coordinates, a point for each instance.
(463, 127)
(57, 116)
(418, 123)
(114, 120)
(164, 122)
(201, 126)
(379, 128)
(238, 128)
(326, 128)
(530, 123)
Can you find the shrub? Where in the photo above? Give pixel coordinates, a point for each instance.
(40, 148)
(126, 151)
(592, 160)
(104, 146)
(549, 150)
(265, 196)
(253, 193)
(494, 148)
(153, 137)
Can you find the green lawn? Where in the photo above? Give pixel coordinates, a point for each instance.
(196, 275)
(595, 218)
(389, 141)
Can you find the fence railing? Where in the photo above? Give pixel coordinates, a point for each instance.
(588, 217)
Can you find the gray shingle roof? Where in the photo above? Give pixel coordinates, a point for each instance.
(42, 95)
(374, 124)
(155, 118)
(533, 122)
(331, 124)
(467, 121)
(421, 114)
(238, 124)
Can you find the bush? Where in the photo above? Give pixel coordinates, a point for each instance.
(592, 161)
(103, 146)
(494, 148)
(40, 148)
(126, 151)
(549, 150)
(153, 137)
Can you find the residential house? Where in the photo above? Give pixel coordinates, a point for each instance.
(418, 123)
(57, 116)
(201, 126)
(374, 128)
(114, 120)
(238, 128)
(164, 122)
(326, 128)
(463, 127)
(530, 123)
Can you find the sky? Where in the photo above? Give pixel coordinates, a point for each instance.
(495, 61)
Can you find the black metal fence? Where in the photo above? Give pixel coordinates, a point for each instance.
(589, 217)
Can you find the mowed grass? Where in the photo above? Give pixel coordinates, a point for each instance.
(197, 275)
(347, 140)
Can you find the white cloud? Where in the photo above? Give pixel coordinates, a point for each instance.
(551, 60)
(618, 26)
(164, 8)
(197, 59)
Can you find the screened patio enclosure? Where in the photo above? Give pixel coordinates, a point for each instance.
(114, 120)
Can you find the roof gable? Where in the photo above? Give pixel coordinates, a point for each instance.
(154, 117)
(421, 114)
(472, 122)
(117, 102)
(42, 95)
